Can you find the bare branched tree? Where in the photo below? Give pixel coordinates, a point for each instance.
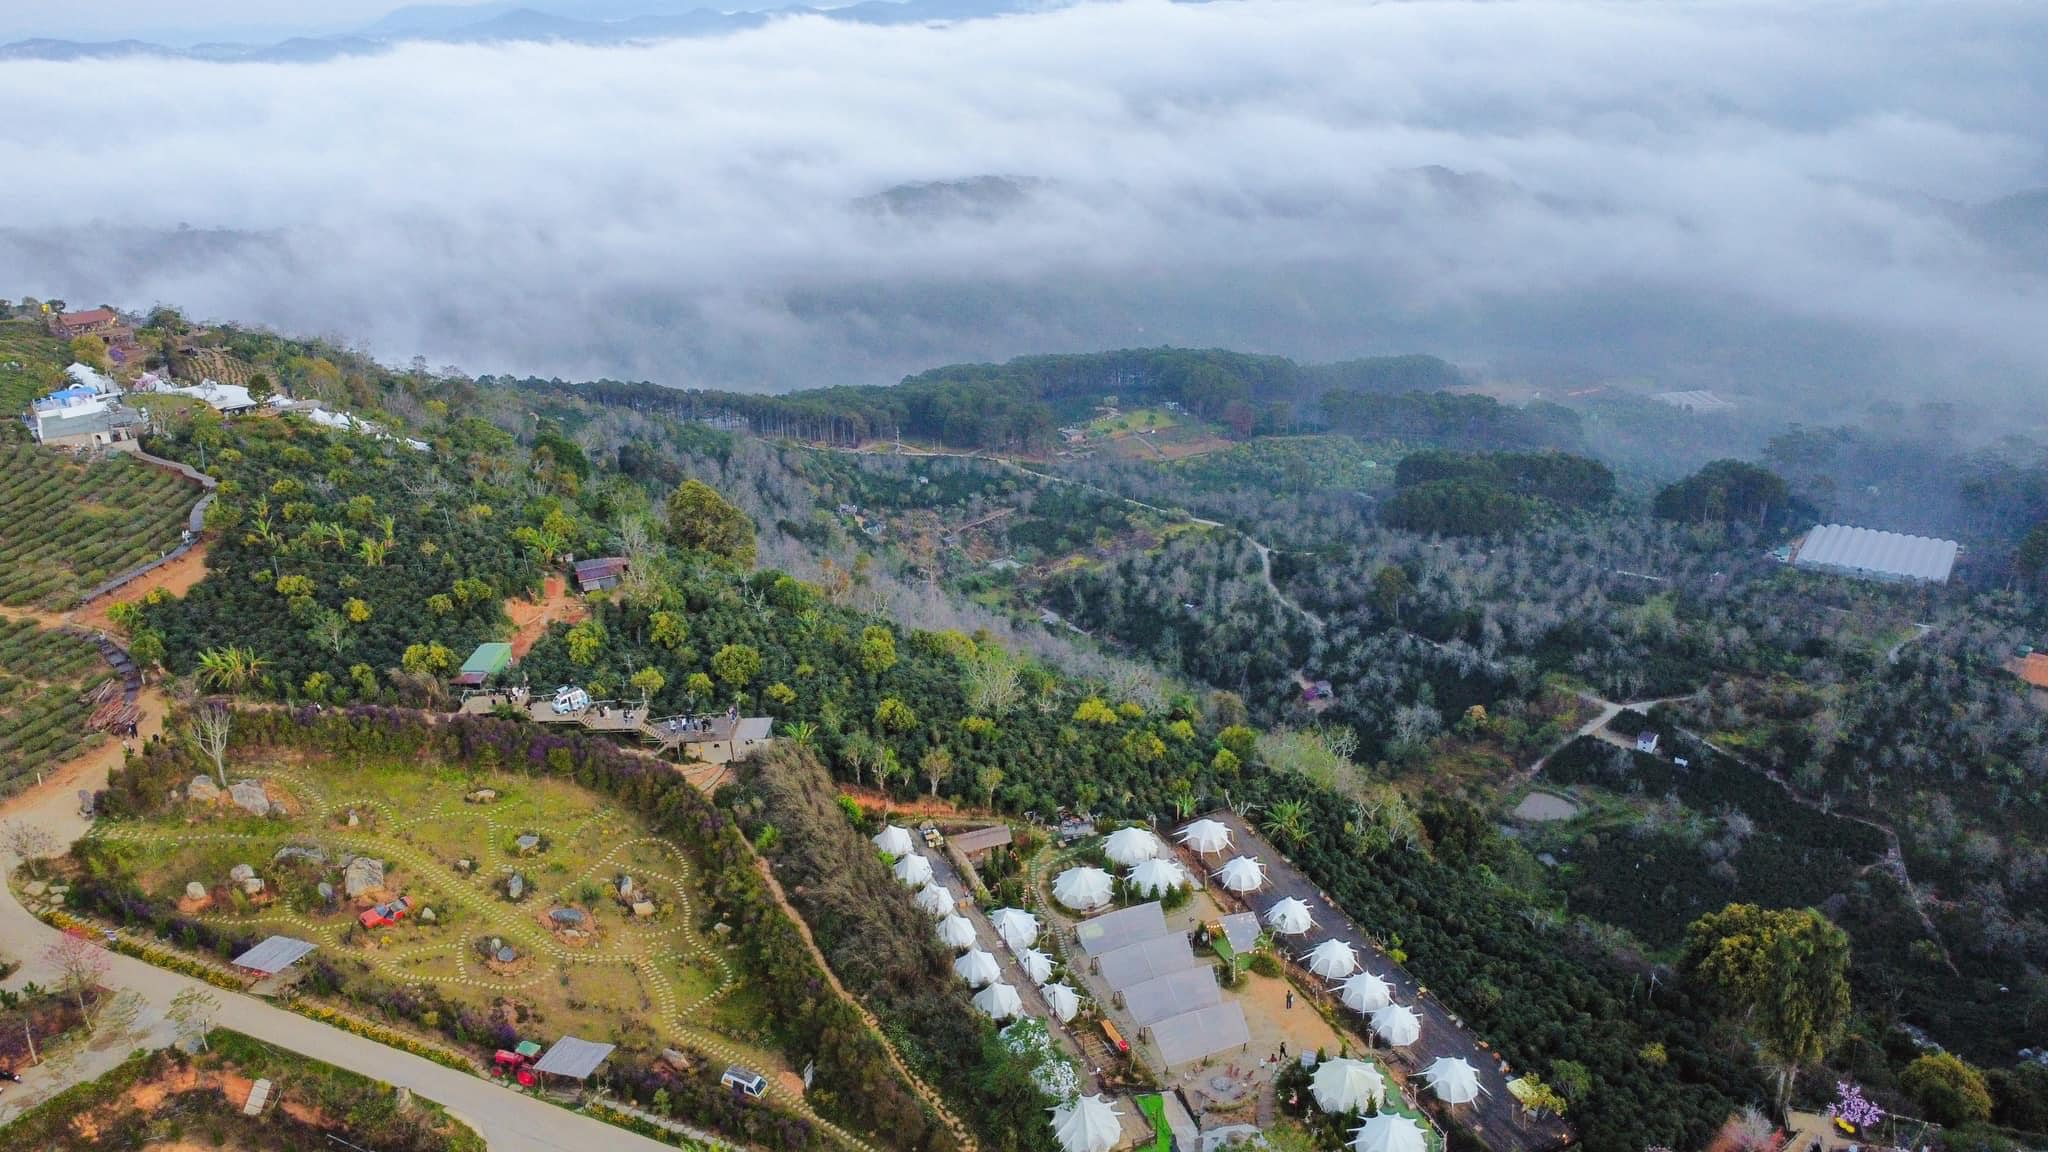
(81, 965)
(208, 732)
(29, 843)
(192, 1012)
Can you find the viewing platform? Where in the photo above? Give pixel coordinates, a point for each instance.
(715, 738)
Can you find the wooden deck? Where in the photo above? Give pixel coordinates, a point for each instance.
(713, 739)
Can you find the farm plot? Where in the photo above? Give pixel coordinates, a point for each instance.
(65, 525)
(46, 677)
(30, 359)
(527, 897)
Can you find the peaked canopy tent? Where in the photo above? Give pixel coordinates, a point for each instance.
(1346, 1085)
(1206, 836)
(895, 841)
(1365, 992)
(1397, 1025)
(1389, 1132)
(1290, 917)
(1037, 965)
(999, 1002)
(1089, 1124)
(1158, 876)
(1243, 874)
(1332, 959)
(913, 871)
(1453, 1080)
(1130, 847)
(1016, 927)
(977, 968)
(956, 932)
(934, 900)
(1063, 1000)
(1082, 889)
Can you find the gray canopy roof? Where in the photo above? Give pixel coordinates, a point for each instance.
(573, 1058)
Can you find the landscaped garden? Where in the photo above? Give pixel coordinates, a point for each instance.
(529, 901)
(65, 526)
(46, 681)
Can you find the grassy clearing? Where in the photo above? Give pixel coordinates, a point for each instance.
(43, 676)
(638, 980)
(66, 525)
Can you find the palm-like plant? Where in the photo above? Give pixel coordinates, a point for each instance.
(372, 552)
(801, 733)
(230, 668)
(1288, 820)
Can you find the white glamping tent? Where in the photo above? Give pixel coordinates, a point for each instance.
(1389, 1132)
(1016, 927)
(1157, 877)
(1064, 1001)
(1289, 917)
(1206, 836)
(978, 968)
(1366, 992)
(913, 871)
(999, 1002)
(1332, 959)
(1397, 1025)
(1089, 1124)
(1244, 874)
(1345, 1085)
(934, 900)
(1036, 965)
(894, 841)
(956, 932)
(1131, 846)
(1082, 889)
(1453, 1080)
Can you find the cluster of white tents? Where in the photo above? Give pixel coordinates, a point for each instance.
(1017, 929)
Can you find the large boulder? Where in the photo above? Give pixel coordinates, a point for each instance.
(361, 876)
(241, 873)
(202, 790)
(195, 892)
(249, 796)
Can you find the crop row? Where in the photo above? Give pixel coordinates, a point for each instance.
(65, 526)
(43, 674)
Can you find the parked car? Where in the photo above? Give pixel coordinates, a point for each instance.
(745, 1080)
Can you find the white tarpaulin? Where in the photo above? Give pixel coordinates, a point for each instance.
(1036, 965)
(1289, 917)
(1397, 1025)
(1345, 1085)
(1131, 846)
(999, 1002)
(895, 841)
(1144, 960)
(1206, 836)
(1332, 959)
(1243, 874)
(1366, 992)
(1172, 994)
(934, 900)
(1089, 1124)
(1453, 1080)
(977, 968)
(1157, 877)
(913, 871)
(1082, 889)
(1125, 926)
(1191, 1036)
(1389, 1132)
(1015, 927)
(1064, 1001)
(956, 932)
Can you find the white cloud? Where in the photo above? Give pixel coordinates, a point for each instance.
(1229, 173)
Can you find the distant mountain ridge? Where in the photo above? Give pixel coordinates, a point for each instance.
(546, 21)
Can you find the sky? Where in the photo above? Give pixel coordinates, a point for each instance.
(1706, 192)
(185, 19)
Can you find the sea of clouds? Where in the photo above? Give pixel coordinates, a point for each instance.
(1704, 192)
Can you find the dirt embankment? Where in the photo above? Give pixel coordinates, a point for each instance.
(530, 620)
(176, 578)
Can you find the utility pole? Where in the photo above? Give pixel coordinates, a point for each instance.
(31, 1038)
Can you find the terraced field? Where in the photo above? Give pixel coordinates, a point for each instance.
(44, 675)
(65, 526)
(29, 360)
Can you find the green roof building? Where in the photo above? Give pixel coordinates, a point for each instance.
(487, 661)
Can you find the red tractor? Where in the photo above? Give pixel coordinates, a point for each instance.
(515, 1065)
(386, 914)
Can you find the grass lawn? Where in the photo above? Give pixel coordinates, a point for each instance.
(638, 980)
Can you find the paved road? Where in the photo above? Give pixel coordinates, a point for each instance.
(508, 1121)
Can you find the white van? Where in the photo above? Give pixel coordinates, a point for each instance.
(751, 1083)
